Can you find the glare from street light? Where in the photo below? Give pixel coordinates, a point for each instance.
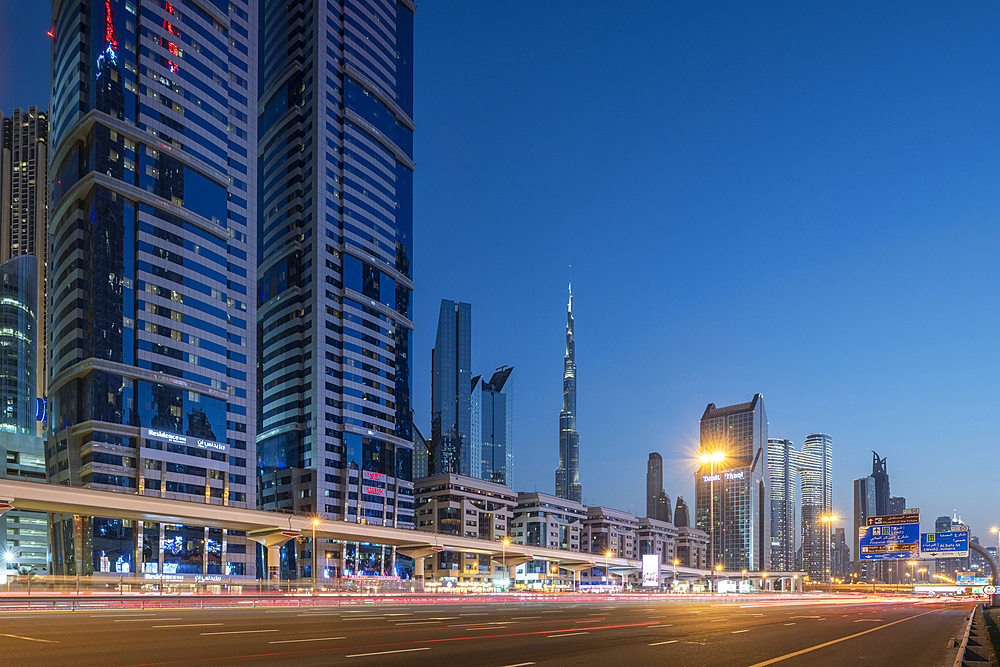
(714, 457)
(8, 556)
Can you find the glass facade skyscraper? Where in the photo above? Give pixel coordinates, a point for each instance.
(493, 427)
(781, 476)
(815, 465)
(568, 474)
(336, 258)
(451, 392)
(739, 518)
(151, 274)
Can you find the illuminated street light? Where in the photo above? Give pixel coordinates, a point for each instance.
(607, 570)
(315, 522)
(503, 548)
(829, 519)
(711, 460)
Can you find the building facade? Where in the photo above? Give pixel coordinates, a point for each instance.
(453, 504)
(657, 537)
(451, 388)
(335, 258)
(741, 525)
(23, 535)
(492, 440)
(568, 474)
(692, 547)
(547, 521)
(152, 275)
(815, 465)
(864, 507)
(781, 474)
(654, 482)
(24, 205)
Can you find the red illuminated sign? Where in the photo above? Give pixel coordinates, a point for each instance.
(377, 476)
(170, 8)
(109, 25)
(170, 46)
(171, 28)
(373, 490)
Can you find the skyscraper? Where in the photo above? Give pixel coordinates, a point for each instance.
(451, 382)
(23, 534)
(335, 254)
(568, 474)
(681, 519)
(24, 191)
(654, 482)
(881, 477)
(897, 504)
(739, 518)
(815, 466)
(152, 274)
(864, 507)
(493, 427)
(781, 474)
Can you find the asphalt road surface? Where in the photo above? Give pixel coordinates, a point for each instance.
(789, 633)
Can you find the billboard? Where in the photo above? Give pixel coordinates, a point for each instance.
(651, 570)
(952, 544)
(890, 537)
(184, 440)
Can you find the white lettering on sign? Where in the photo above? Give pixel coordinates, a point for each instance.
(373, 490)
(376, 476)
(169, 437)
(728, 475)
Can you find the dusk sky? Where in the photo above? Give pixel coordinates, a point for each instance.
(797, 199)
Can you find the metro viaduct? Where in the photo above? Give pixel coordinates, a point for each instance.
(273, 529)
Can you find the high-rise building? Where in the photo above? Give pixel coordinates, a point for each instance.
(864, 507)
(568, 474)
(24, 198)
(23, 535)
(781, 474)
(492, 438)
(881, 478)
(840, 554)
(815, 466)
(681, 518)
(738, 519)
(335, 255)
(663, 508)
(152, 276)
(897, 504)
(451, 389)
(654, 482)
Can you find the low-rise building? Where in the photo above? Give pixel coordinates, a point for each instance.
(468, 507)
(546, 521)
(657, 537)
(692, 547)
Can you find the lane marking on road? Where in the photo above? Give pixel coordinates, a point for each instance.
(523, 618)
(187, 625)
(789, 624)
(119, 614)
(736, 632)
(419, 623)
(402, 650)
(671, 641)
(237, 632)
(478, 613)
(715, 620)
(568, 634)
(836, 641)
(868, 620)
(591, 620)
(363, 618)
(31, 639)
(314, 639)
(321, 613)
(520, 664)
(807, 617)
(144, 620)
(553, 611)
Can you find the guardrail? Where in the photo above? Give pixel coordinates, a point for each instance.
(974, 648)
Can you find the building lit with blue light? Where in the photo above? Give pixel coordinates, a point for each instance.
(151, 336)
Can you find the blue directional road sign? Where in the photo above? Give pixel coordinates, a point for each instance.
(953, 544)
(890, 537)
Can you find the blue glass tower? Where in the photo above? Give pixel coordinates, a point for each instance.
(151, 274)
(335, 258)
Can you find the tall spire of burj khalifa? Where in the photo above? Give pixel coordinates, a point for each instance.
(568, 474)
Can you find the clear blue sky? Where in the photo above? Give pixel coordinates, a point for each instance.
(798, 199)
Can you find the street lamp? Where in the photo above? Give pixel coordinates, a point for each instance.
(910, 574)
(921, 572)
(503, 548)
(829, 519)
(711, 460)
(717, 568)
(607, 570)
(315, 523)
(764, 574)
(676, 563)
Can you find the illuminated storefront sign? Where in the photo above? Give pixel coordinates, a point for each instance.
(651, 570)
(373, 490)
(109, 25)
(376, 476)
(728, 475)
(188, 441)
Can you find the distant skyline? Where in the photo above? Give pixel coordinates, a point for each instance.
(793, 200)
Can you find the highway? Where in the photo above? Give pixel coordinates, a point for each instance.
(790, 632)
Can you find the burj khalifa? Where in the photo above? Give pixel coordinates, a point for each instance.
(568, 474)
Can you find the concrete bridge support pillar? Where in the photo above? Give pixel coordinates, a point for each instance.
(418, 573)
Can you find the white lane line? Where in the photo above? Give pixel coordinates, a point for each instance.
(321, 613)
(237, 632)
(807, 617)
(520, 664)
(187, 625)
(402, 650)
(362, 618)
(671, 641)
(409, 613)
(144, 620)
(868, 620)
(522, 618)
(483, 613)
(568, 634)
(114, 615)
(31, 639)
(315, 639)
(789, 624)
(419, 623)
(716, 620)
(736, 632)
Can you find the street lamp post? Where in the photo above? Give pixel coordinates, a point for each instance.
(743, 575)
(676, 563)
(607, 570)
(764, 574)
(829, 519)
(711, 459)
(717, 568)
(315, 523)
(503, 547)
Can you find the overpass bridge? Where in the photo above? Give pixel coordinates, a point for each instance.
(273, 529)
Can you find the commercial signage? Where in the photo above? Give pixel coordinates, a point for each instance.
(952, 544)
(728, 475)
(373, 490)
(188, 441)
(965, 579)
(376, 476)
(891, 536)
(651, 570)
